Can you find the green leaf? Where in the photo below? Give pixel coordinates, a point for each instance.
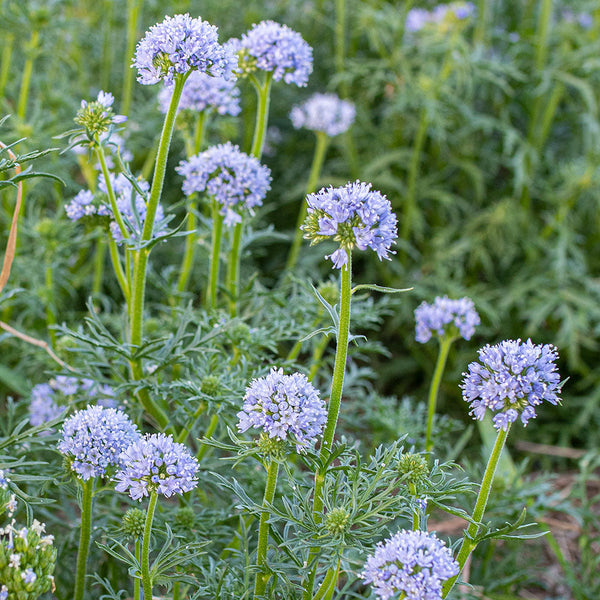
(379, 288)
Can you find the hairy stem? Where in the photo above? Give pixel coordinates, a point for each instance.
(468, 543)
(210, 301)
(87, 488)
(146, 579)
(262, 575)
(445, 343)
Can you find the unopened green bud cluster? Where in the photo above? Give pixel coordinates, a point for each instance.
(132, 523)
(336, 521)
(27, 559)
(271, 447)
(413, 468)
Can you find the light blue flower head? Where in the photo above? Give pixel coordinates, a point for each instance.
(156, 463)
(237, 181)
(412, 565)
(93, 440)
(324, 112)
(511, 379)
(446, 317)
(178, 45)
(287, 407)
(354, 216)
(272, 47)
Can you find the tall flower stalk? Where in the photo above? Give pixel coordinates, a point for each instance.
(133, 17)
(447, 320)
(354, 216)
(31, 50)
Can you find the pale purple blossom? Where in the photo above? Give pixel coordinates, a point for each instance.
(511, 380)
(177, 45)
(284, 407)
(412, 565)
(446, 317)
(155, 463)
(324, 112)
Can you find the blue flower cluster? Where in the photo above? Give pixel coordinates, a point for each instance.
(272, 47)
(47, 399)
(236, 181)
(511, 379)
(130, 203)
(324, 112)
(413, 564)
(418, 18)
(155, 463)
(180, 44)
(583, 19)
(94, 439)
(353, 215)
(97, 116)
(284, 405)
(446, 317)
(204, 92)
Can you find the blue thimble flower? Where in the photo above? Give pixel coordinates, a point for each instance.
(177, 45)
(511, 379)
(237, 181)
(42, 405)
(353, 215)
(202, 92)
(97, 116)
(413, 564)
(272, 47)
(155, 463)
(324, 112)
(445, 317)
(284, 407)
(442, 14)
(93, 440)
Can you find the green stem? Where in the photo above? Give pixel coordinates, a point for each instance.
(210, 300)
(543, 30)
(263, 575)
(98, 265)
(118, 268)
(413, 173)
(481, 25)
(136, 581)
(141, 255)
(262, 115)
(27, 71)
(445, 343)
(176, 590)
(233, 267)
(313, 178)
(212, 426)
(87, 488)
(340, 40)
(146, 579)
(109, 189)
(317, 355)
(9, 41)
(341, 353)
(335, 398)
(327, 586)
(107, 45)
(50, 308)
(133, 12)
(468, 544)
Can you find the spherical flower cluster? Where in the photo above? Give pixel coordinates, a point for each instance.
(97, 116)
(131, 205)
(446, 317)
(94, 439)
(202, 92)
(177, 45)
(324, 112)
(236, 181)
(584, 19)
(276, 48)
(511, 379)
(353, 215)
(27, 559)
(413, 564)
(418, 18)
(155, 463)
(284, 406)
(47, 400)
